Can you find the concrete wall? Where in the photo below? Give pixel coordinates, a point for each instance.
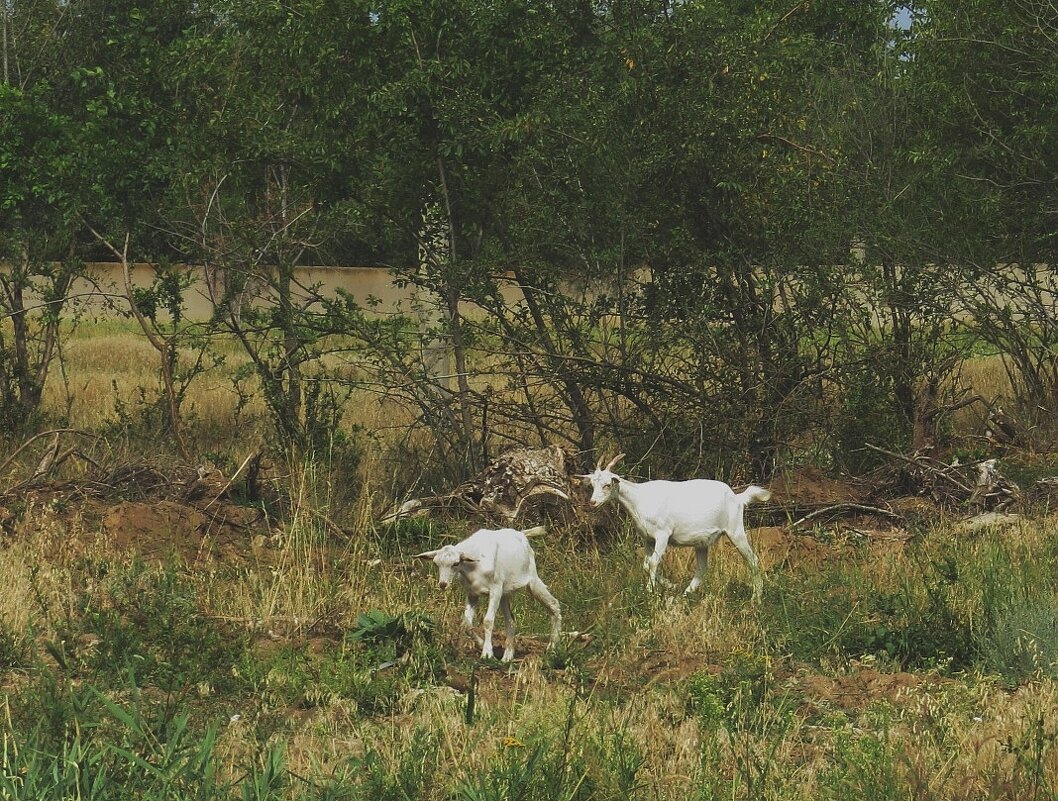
(101, 294)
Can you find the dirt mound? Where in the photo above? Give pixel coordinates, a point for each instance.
(810, 487)
(170, 529)
(778, 547)
(855, 691)
(189, 513)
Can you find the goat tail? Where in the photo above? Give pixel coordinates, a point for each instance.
(752, 494)
(535, 531)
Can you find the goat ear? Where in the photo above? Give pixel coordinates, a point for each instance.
(464, 557)
(426, 554)
(583, 476)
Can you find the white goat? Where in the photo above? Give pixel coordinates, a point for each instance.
(496, 562)
(692, 513)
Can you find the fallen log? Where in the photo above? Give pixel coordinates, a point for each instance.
(501, 491)
(848, 507)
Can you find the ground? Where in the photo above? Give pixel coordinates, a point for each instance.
(290, 629)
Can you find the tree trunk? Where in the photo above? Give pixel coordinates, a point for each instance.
(571, 390)
(455, 330)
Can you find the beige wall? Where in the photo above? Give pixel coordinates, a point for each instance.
(102, 295)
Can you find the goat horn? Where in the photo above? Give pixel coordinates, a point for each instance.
(614, 461)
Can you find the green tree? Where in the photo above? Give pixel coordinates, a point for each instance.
(989, 70)
(44, 186)
(264, 152)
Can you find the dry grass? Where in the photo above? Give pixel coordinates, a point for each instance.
(696, 692)
(940, 737)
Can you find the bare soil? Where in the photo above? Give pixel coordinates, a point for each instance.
(194, 518)
(181, 514)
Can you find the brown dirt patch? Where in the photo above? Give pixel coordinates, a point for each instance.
(166, 529)
(183, 513)
(855, 691)
(777, 547)
(810, 486)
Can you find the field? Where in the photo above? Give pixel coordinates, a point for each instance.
(158, 642)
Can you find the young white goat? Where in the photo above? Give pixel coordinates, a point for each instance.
(692, 513)
(495, 562)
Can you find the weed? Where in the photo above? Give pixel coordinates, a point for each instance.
(863, 766)
(53, 708)
(413, 776)
(621, 761)
(150, 623)
(1018, 635)
(14, 647)
(840, 613)
(539, 771)
(374, 666)
(1031, 748)
(409, 535)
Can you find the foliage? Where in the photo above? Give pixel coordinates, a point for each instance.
(375, 666)
(726, 220)
(705, 698)
(149, 623)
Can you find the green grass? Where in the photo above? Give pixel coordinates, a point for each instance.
(326, 664)
(145, 682)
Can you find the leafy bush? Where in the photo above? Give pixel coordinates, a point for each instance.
(868, 414)
(52, 708)
(149, 623)
(715, 697)
(374, 666)
(1018, 634)
(841, 614)
(863, 766)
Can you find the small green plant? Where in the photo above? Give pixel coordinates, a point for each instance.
(266, 779)
(150, 622)
(1032, 748)
(707, 699)
(405, 631)
(15, 651)
(538, 771)
(863, 766)
(621, 760)
(409, 535)
(375, 665)
(53, 708)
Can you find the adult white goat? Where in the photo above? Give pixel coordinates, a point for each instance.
(495, 562)
(691, 513)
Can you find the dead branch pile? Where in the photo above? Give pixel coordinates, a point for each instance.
(500, 492)
(976, 485)
(140, 481)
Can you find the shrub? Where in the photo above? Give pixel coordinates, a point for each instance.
(1018, 634)
(149, 623)
(842, 614)
(374, 666)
